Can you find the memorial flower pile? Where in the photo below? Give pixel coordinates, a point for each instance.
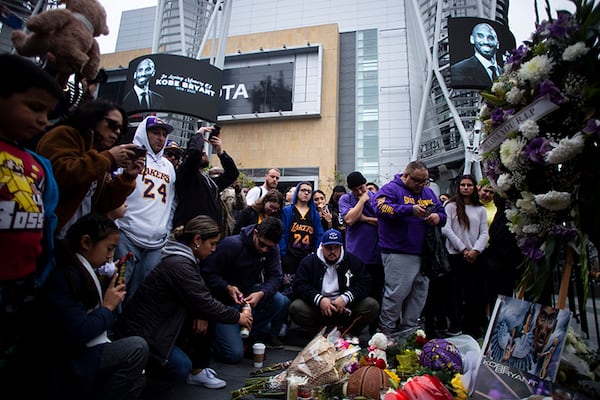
(541, 146)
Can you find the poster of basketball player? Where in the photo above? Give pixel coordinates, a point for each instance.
(527, 336)
(478, 48)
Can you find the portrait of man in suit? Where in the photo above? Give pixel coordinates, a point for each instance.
(481, 69)
(140, 97)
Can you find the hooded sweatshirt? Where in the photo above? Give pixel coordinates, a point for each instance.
(149, 206)
(287, 217)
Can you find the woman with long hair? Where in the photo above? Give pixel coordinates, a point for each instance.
(80, 361)
(83, 154)
(321, 202)
(466, 233)
(270, 205)
(172, 309)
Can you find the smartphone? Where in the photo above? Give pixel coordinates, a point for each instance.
(139, 152)
(215, 132)
(429, 209)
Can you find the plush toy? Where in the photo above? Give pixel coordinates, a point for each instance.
(67, 37)
(377, 345)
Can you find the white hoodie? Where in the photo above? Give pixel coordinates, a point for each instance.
(148, 214)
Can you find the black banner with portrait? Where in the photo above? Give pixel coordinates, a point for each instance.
(172, 83)
(478, 49)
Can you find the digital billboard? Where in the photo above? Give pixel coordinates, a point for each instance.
(257, 89)
(172, 83)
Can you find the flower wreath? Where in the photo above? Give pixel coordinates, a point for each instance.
(541, 143)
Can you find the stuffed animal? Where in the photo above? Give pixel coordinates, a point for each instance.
(377, 345)
(67, 37)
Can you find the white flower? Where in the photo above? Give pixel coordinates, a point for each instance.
(529, 129)
(511, 214)
(536, 69)
(420, 333)
(575, 51)
(531, 228)
(484, 112)
(566, 149)
(514, 95)
(504, 182)
(553, 200)
(510, 150)
(527, 203)
(498, 88)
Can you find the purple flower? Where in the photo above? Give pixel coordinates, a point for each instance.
(563, 232)
(592, 126)
(548, 88)
(517, 55)
(500, 114)
(536, 149)
(490, 170)
(530, 248)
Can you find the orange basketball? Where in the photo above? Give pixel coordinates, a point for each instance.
(368, 381)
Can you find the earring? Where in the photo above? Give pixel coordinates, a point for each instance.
(196, 247)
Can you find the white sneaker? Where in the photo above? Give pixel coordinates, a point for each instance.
(207, 378)
(283, 330)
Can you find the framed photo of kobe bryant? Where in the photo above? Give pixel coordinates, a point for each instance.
(172, 83)
(478, 48)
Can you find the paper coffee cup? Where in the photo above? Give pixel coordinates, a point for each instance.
(258, 350)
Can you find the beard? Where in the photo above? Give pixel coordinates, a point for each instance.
(204, 163)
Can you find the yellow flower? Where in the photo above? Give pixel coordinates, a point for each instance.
(393, 377)
(458, 388)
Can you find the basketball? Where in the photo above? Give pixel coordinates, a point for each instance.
(441, 355)
(368, 381)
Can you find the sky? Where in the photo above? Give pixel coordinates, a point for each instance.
(521, 17)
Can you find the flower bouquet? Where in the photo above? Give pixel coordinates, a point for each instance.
(541, 144)
(325, 360)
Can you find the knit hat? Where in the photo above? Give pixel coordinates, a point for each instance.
(332, 236)
(355, 179)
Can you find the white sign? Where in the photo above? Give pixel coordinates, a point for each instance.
(534, 112)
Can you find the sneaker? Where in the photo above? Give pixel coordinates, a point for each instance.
(283, 331)
(273, 342)
(207, 378)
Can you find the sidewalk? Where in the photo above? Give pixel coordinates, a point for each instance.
(234, 375)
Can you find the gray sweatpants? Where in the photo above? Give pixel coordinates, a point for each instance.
(404, 295)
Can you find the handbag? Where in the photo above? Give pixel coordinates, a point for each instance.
(435, 262)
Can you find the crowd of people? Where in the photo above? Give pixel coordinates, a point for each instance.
(136, 259)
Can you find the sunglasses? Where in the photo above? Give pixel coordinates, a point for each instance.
(113, 125)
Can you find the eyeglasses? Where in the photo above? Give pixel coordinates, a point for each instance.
(113, 125)
(306, 190)
(172, 155)
(418, 181)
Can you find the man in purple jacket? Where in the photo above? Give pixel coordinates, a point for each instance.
(405, 206)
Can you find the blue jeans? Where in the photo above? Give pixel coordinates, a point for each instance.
(178, 365)
(268, 315)
(139, 266)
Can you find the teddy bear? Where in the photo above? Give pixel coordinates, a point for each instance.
(67, 37)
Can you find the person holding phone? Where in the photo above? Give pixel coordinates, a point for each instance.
(79, 359)
(147, 222)
(197, 192)
(84, 157)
